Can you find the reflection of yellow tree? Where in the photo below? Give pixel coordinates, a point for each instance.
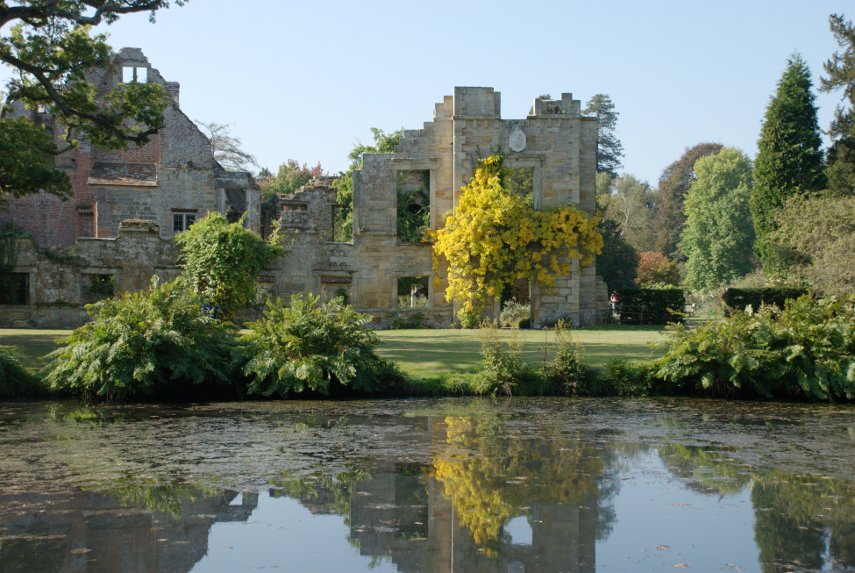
(490, 476)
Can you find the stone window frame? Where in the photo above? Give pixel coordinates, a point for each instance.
(517, 160)
(429, 279)
(96, 271)
(131, 74)
(430, 164)
(30, 273)
(183, 215)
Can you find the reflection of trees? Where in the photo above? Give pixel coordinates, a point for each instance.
(492, 476)
(794, 514)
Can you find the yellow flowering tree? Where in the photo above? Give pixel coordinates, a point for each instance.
(495, 237)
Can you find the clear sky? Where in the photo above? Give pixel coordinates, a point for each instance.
(307, 79)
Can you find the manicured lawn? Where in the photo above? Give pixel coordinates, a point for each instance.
(33, 344)
(427, 354)
(435, 353)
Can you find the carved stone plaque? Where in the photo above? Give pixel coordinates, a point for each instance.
(516, 140)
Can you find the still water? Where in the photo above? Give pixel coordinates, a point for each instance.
(510, 486)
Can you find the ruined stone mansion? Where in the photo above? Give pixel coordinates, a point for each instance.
(116, 231)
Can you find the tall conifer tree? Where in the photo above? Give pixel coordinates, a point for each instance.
(790, 160)
(609, 147)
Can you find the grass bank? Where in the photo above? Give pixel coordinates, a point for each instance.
(436, 354)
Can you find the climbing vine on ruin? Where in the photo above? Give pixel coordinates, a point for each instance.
(495, 237)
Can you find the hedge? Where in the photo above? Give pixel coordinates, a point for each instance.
(652, 305)
(740, 298)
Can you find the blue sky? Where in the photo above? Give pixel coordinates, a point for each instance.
(306, 80)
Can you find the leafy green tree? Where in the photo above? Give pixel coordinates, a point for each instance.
(718, 236)
(840, 75)
(790, 160)
(227, 148)
(817, 237)
(631, 204)
(316, 347)
(383, 143)
(288, 178)
(50, 50)
(15, 380)
(222, 261)
(618, 260)
(674, 184)
(609, 147)
(152, 344)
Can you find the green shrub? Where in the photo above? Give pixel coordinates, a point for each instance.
(15, 380)
(565, 373)
(147, 344)
(407, 320)
(805, 351)
(315, 347)
(628, 378)
(741, 298)
(514, 313)
(502, 368)
(652, 305)
(468, 319)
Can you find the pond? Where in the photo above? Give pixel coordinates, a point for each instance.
(516, 485)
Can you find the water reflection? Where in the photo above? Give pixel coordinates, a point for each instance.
(519, 486)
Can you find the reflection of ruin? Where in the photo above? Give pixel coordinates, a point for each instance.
(423, 532)
(102, 533)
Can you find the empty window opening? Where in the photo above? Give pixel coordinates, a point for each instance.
(413, 191)
(14, 288)
(520, 181)
(286, 207)
(181, 220)
(342, 224)
(134, 74)
(413, 292)
(333, 287)
(96, 287)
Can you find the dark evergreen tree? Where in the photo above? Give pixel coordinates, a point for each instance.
(674, 185)
(618, 260)
(609, 148)
(790, 160)
(840, 75)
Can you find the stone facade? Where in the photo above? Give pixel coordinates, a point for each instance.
(127, 206)
(555, 142)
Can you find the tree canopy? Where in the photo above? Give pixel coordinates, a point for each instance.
(288, 178)
(495, 237)
(718, 236)
(51, 50)
(227, 148)
(790, 159)
(609, 147)
(840, 75)
(673, 187)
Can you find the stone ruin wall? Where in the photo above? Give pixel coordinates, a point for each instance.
(556, 143)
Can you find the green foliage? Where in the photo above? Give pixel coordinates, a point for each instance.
(502, 368)
(222, 261)
(15, 380)
(630, 203)
(24, 144)
(514, 313)
(741, 298)
(288, 178)
(718, 237)
(840, 75)
(408, 320)
(609, 147)
(618, 260)
(816, 237)
(628, 378)
(50, 49)
(789, 159)
(153, 344)
(383, 143)
(652, 305)
(412, 220)
(671, 194)
(805, 351)
(309, 346)
(565, 374)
